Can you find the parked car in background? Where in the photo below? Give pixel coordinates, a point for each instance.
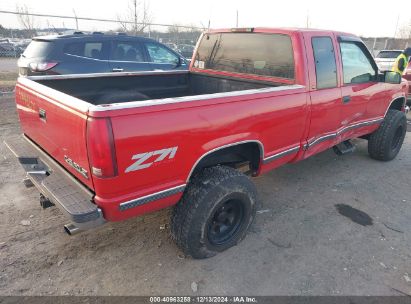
(386, 58)
(186, 50)
(8, 49)
(172, 46)
(96, 53)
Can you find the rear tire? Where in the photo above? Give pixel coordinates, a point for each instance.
(385, 143)
(215, 212)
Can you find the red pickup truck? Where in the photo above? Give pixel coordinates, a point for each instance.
(407, 76)
(107, 147)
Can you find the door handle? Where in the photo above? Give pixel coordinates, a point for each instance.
(42, 114)
(118, 70)
(346, 99)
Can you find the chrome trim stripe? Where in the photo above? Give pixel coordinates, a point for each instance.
(260, 146)
(109, 74)
(345, 129)
(158, 102)
(321, 139)
(361, 124)
(151, 197)
(87, 58)
(127, 61)
(123, 61)
(281, 154)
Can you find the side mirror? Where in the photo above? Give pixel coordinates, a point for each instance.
(392, 77)
(179, 62)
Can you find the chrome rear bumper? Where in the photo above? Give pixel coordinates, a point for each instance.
(55, 183)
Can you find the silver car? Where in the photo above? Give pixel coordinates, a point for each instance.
(386, 58)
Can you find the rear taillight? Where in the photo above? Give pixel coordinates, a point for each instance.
(101, 149)
(41, 66)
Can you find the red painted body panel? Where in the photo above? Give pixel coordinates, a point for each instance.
(288, 125)
(62, 133)
(407, 76)
(205, 128)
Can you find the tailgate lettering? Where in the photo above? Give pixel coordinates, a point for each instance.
(76, 166)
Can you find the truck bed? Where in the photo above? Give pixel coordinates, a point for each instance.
(147, 86)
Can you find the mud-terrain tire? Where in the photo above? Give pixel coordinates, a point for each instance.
(215, 212)
(385, 143)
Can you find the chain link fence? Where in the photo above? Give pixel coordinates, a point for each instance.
(179, 38)
(13, 44)
(375, 45)
(10, 52)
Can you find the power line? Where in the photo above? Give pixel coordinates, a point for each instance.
(97, 19)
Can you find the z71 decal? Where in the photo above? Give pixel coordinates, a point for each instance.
(145, 160)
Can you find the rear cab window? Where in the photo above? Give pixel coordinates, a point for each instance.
(269, 55)
(38, 48)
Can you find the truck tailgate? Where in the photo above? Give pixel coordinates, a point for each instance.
(57, 123)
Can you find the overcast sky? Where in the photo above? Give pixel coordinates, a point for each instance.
(361, 17)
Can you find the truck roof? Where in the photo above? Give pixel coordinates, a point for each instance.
(285, 30)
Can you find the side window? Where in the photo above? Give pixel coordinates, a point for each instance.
(127, 51)
(356, 65)
(85, 49)
(160, 54)
(93, 50)
(325, 66)
(76, 48)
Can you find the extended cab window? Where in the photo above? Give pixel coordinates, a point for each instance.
(357, 67)
(325, 66)
(250, 53)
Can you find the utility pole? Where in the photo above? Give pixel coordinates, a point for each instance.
(396, 26)
(236, 24)
(75, 16)
(135, 17)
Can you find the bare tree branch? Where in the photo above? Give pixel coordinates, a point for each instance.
(137, 19)
(25, 20)
(405, 31)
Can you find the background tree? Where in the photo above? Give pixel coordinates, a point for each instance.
(405, 31)
(25, 20)
(137, 18)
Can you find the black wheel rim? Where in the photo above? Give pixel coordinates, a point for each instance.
(397, 138)
(225, 222)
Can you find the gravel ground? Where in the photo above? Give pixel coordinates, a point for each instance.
(8, 64)
(8, 74)
(327, 226)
